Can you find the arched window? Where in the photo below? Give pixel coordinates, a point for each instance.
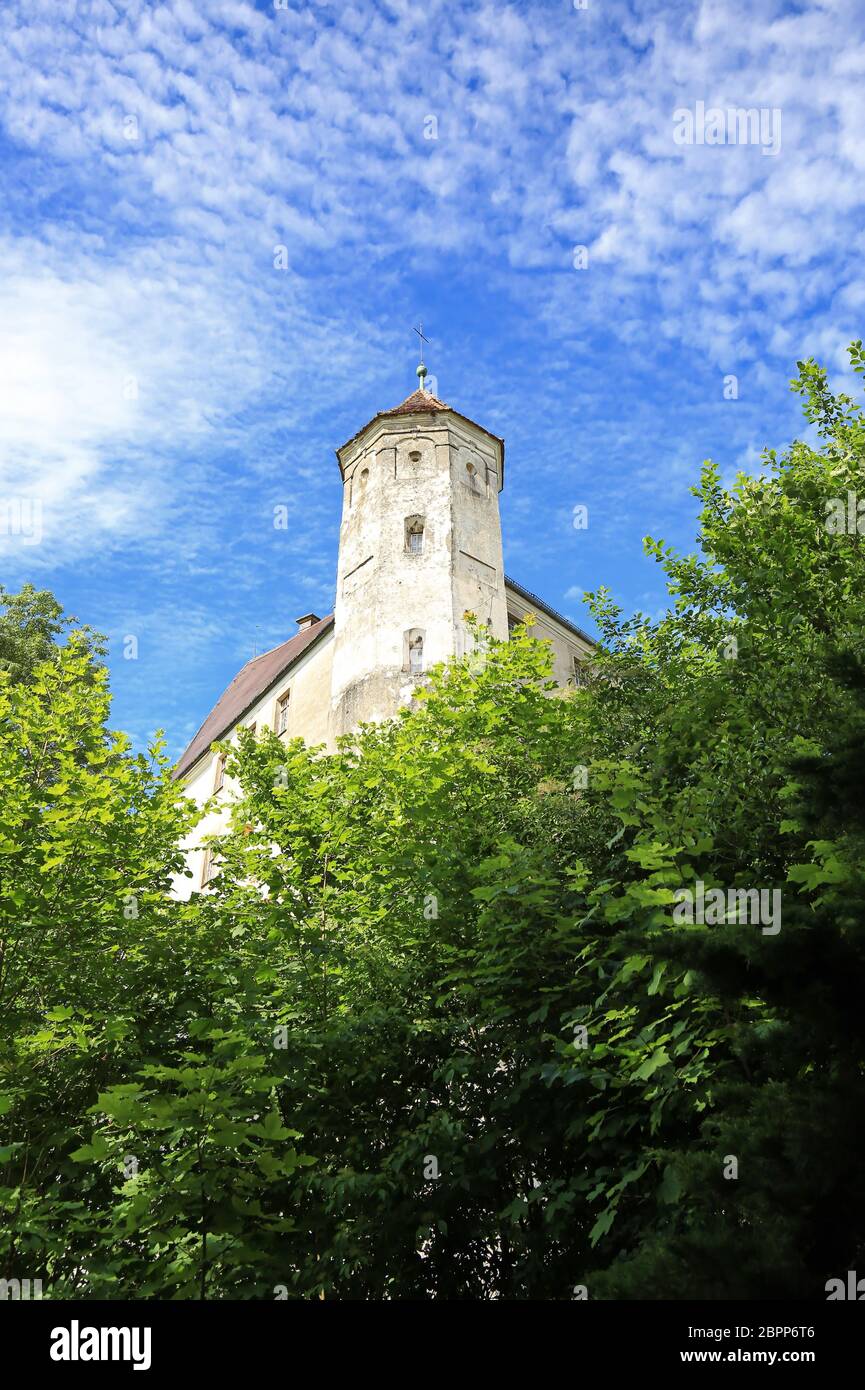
(412, 650)
(414, 528)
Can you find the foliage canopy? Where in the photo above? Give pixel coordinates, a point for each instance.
(437, 1030)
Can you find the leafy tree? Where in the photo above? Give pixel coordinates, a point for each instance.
(708, 1048)
(30, 624)
(747, 775)
(439, 1028)
(414, 947)
(140, 1133)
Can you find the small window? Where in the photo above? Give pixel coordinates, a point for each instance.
(414, 535)
(513, 621)
(580, 672)
(252, 728)
(208, 866)
(281, 722)
(413, 651)
(364, 477)
(219, 774)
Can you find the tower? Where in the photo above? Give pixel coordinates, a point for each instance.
(420, 546)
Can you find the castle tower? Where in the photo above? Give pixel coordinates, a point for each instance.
(420, 546)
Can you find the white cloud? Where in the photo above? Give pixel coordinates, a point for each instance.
(106, 373)
(304, 127)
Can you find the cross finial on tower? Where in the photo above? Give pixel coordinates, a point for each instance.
(421, 371)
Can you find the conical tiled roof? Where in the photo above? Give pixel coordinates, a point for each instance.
(415, 404)
(418, 403)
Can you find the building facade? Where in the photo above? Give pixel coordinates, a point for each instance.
(420, 548)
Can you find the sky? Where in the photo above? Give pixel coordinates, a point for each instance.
(220, 222)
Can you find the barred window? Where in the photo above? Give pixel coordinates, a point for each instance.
(580, 671)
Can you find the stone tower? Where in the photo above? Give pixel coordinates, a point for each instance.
(420, 546)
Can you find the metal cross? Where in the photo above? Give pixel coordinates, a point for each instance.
(420, 333)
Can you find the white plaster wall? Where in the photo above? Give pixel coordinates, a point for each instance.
(566, 644)
(309, 682)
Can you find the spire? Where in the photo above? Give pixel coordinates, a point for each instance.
(421, 371)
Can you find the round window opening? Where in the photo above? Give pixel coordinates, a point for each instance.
(415, 455)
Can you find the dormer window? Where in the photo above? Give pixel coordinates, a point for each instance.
(414, 527)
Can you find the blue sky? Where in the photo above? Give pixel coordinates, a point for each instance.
(163, 387)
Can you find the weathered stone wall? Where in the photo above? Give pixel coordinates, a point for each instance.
(441, 472)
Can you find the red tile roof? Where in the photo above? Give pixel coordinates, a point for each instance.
(420, 403)
(415, 404)
(248, 686)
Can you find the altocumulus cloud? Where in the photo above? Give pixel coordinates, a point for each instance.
(163, 385)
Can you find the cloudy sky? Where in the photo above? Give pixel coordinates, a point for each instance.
(168, 377)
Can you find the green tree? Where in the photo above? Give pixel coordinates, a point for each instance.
(744, 771)
(438, 1028)
(141, 1147)
(30, 623)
